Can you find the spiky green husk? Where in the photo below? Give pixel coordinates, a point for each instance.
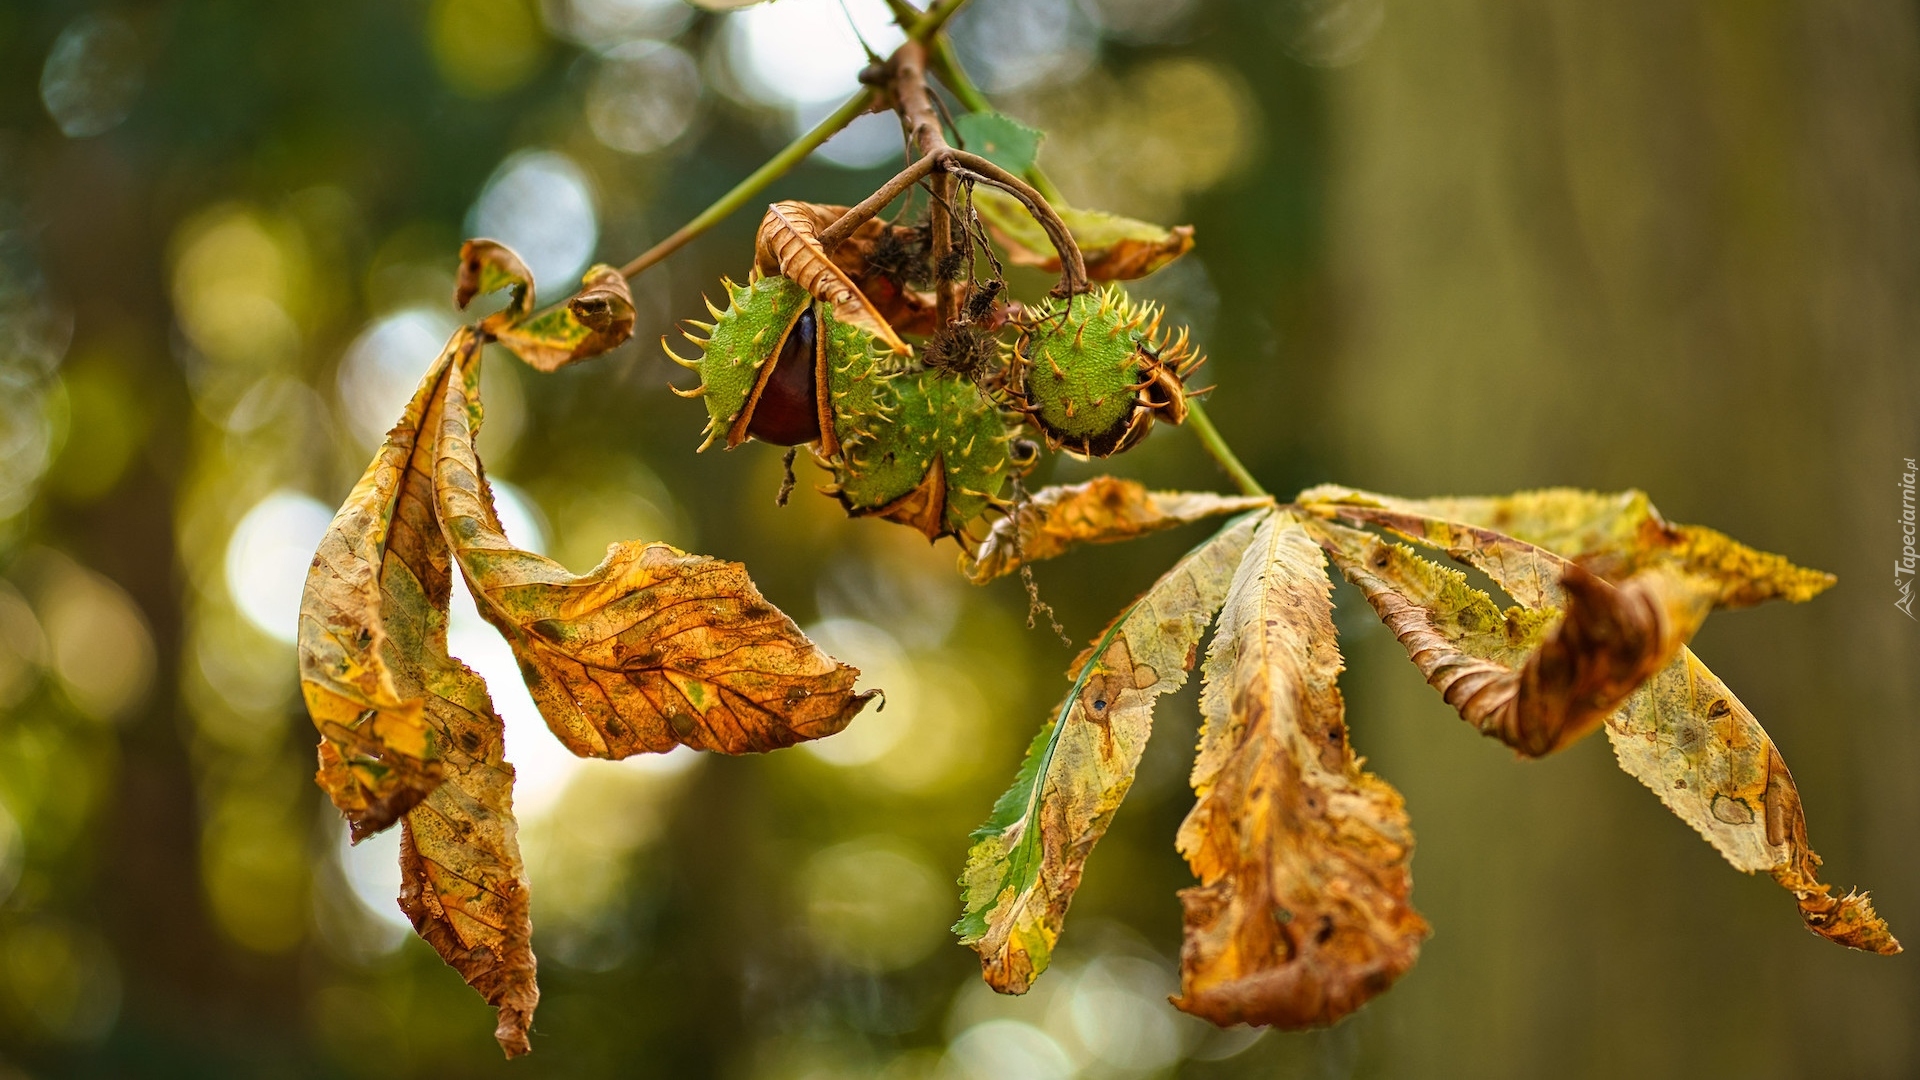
(741, 340)
(925, 417)
(1079, 362)
(858, 370)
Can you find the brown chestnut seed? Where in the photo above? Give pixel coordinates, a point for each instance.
(787, 411)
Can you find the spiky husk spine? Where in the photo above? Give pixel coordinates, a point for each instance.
(1080, 366)
(738, 342)
(933, 456)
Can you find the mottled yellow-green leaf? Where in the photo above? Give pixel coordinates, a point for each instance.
(1537, 677)
(1704, 754)
(597, 318)
(1103, 510)
(370, 630)
(1682, 733)
(1115, 248)
(1303, 910)
(374, 627)
(1026, 860)
(1614, 535)
(487, 266)
(652, 649)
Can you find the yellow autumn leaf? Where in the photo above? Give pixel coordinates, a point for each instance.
(1302, 913)
(1026, 860)
(1614, 535)
(377, 601)
(1103, 510)
(1537, 677)
(653, 648)
(1693, 743)
(1683, 734)
(594, 320)
(365, 612)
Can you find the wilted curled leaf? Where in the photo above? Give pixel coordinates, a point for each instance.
(592, 321)
(651, 649)
(1115, 248)
(1103, 510)
(463, 884)
(788, 244)
(461, 879)
(1612, 535)
(487, 266)
(1690, 740)
(1519, 676)
(365, 690)
(1683, 733)
(1026, 860)
(1303, 912)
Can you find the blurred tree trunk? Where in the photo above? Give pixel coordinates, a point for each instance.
(1676, 247)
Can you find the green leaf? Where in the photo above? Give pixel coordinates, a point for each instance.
(1001, 139)
(1115, 248)
(1026, 860)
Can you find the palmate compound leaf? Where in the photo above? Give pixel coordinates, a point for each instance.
(1115, 248)
(1302, 913)
(1103, 510)
(376, 601)
(592, 321)
(1527, 676)
(653, 648)
(1025, 862)
(1683, 733)
(788, 244)
(1614, 536)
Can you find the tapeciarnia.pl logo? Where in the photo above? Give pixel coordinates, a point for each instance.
(1903, 567)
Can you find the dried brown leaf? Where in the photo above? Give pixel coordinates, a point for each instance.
(653, 648)
(1302, 913)
(365, 615)
(487, 266)
(594, 320)
(907, 310)
(1683, 734)
(1614, 535)
(376, 613)
(1103, 510)
(1534, 683)
(788, 244)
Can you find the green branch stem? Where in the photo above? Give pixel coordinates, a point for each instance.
(946, 66)
(1216, 444)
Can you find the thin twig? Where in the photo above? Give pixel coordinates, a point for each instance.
(787, 479)
(1216, 444)
(923, 28)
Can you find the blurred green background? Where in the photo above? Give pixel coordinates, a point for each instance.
(1447, 247)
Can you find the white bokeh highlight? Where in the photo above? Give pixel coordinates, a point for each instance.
(540, 203)
(92, 76)
(383, 367)
(643, 96)
(805, 56)
(267, 559)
